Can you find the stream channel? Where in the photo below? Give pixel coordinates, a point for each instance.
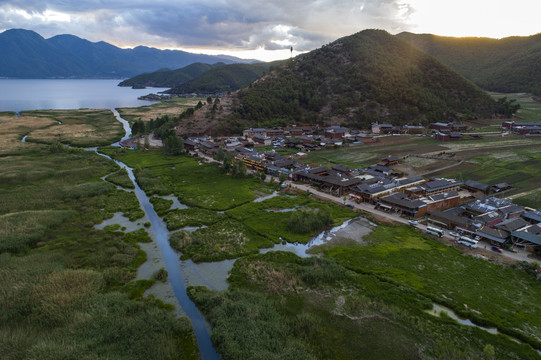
(184, 273)
(214, 275)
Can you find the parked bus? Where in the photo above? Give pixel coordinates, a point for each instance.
(464, 240)
(434, 231)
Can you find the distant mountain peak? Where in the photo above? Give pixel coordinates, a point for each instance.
(26, 54)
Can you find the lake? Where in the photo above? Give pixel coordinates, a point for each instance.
(40, 94)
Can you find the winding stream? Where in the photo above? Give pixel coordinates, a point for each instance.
(200, 326)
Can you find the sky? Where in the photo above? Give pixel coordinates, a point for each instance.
(264, 29)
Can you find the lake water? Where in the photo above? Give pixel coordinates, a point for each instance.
(40, 94)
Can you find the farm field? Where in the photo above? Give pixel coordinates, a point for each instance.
(530, 110)
(491, 160)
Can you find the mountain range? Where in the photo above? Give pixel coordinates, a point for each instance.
(511, 64)
(26, 54)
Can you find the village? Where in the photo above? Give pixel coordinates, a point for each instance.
(469, 211)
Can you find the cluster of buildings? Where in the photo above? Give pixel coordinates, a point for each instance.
(497, 221)
(523, 128)
(443, 202)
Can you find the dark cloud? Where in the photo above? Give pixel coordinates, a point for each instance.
(227, 24)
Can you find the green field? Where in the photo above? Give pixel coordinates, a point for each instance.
(194, 183)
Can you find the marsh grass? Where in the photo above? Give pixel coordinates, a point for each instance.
(171, 107)
(487, 293)
(161, 206)
(50, 312)
(274, 224)
(226, 239)
(121, 178)
(195, 184)
(281, 306)
(82, 128)
(179, 218)
(66, 293)
(15, 127)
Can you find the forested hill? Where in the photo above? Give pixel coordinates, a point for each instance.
(510, 64)
(26, 54)
(369, 76)
(169, 78)
(224, 78)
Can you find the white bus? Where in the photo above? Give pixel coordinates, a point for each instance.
(464, 240)
(434, 231)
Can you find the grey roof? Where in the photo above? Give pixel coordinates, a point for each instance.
(410, 180)
(443, 196)
(439, 184)
(534, 215)
(341, 168)
(512, 224)
(526, 236)
(488, 217)
(401, 199)
(476, 185)
(512, 209)
(487, 204)
(493, 234)
(450, 216)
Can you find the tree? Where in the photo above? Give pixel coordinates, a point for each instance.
(489, 351)
(220, 155)
(173, 145)
(228, 162)
(147, 142)
(282, 177)
(209, 100)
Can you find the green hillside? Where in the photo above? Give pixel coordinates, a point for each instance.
(224, 78)
(510, 64)
(369, 76)
(169, 78)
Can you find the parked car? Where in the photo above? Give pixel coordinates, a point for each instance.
(454, 234)
(413, 222)
(496, 249)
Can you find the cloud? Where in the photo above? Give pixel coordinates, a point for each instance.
(226, 24)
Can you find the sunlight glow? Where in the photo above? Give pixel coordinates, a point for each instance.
(478, 18)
